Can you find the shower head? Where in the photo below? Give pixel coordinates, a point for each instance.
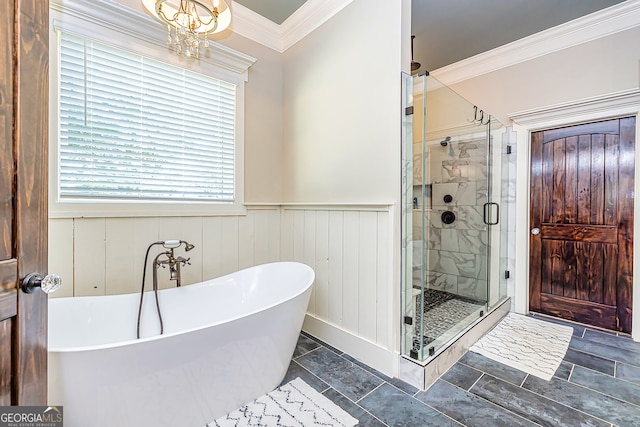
(445, 141)
(187, 246)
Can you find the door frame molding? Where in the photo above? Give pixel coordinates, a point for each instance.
(612, 105)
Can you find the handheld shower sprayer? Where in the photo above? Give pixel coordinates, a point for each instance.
(173, 244)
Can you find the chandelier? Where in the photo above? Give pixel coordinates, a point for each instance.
(189, 22)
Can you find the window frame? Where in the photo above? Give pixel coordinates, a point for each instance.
(123, 28)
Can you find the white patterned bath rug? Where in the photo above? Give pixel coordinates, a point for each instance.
(293, 404)
(533, 346)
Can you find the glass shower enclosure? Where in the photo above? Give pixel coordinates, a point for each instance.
(454, 247)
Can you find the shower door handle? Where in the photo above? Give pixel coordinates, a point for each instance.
(486, 213)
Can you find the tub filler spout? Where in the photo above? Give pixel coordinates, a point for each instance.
(173, 263)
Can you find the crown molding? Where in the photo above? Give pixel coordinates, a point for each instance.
(307, 18)
(611, 20)
(303, 21)
(256, 27)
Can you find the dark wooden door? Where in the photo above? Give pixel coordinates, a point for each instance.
(582, 205)
(24, 28)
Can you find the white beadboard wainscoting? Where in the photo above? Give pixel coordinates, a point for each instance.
(355, 302)
(104, 256)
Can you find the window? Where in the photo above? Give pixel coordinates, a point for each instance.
(134, 128)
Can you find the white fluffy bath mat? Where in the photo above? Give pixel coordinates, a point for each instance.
(293, 404)
(533, 346)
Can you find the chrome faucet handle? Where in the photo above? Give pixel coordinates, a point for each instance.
(183, 260)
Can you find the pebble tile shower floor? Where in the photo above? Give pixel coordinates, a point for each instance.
(597, 384)
(441, 312)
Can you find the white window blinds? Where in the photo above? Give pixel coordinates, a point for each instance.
(136, 128)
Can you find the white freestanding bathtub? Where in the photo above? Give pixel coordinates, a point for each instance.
(226, 341)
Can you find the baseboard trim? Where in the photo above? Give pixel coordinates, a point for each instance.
(367, 352)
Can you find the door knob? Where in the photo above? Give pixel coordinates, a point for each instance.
(49, 283)
(535, 231)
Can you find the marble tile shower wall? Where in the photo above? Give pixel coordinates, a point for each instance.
(455, 255)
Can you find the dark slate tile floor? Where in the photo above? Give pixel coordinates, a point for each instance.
(597, 384)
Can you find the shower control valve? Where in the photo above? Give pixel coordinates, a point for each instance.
(448, 217)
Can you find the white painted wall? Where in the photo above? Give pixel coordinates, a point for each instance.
(263, 137)
(342, 108)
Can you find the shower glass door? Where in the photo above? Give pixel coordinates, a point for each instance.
(450, 219)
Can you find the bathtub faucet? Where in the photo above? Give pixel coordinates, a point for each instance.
(174, 263)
